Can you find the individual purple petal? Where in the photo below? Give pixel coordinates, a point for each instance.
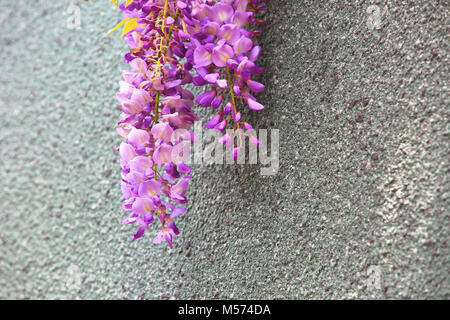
(202, 58)
(198, 81)
(255, 86)
(213, 122)
(162, 154)
(180, 152)
(254, 105)
(130, 219)
(222, 84)
(245, 63)
(256, 69)
(178, 190)
(247, 96)
(232, 64)
(206, 98)
(139, 65)
(156, 201)
(148, 218)
(177, 212)
(173, 228)
(139, 233)
(171, 170)
(211, 28)
(212, 77)
(126, 152)
(143, 206)
(141, 164)
(138, 138)
(237, 90)
(243, 45)
(230, 32)
(221, 54)
(149, 189)
(221, 125)
(126, 190)
(170, 20)
(136, 178)
(201, 11)
(254, 53)
(202, 71)
(159, 237)
(165, 234)
(254, 141)
(227, 108)
(240, 18)
(235, 153)
(181, 5)
(157, 83)
(216, 102)
(168, 237)
(245, 75)
(183, 168)
(221, 12)
(227, 139)
(162, 131)
(127, 205)
(172, 84)
(183, 35)
(241, 5)
(248, 126)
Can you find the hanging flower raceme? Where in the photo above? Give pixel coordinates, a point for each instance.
(223, 52)
(156, 117)
(214, 39)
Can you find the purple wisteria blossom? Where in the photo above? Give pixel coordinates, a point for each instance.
(222, 50)
(174, 43)
(154, 105)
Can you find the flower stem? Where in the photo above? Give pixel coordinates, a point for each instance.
(156, 72)
(166, 4)
(233, 100)
(163, 30)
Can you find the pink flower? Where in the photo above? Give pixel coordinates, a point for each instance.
(138, 138)
(178, 190)
(202, 57)
(243, 45)
(126, 152)
(230, 32)
(142, 164)
(143, 206)
(221, 54)
(149, 189)
(252, 104)
(255, 86)
(240, 18)
(162, 131)
(166, 234)
(162, 154)
(221, 12)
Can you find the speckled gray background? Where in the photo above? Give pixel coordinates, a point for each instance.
(362, 192)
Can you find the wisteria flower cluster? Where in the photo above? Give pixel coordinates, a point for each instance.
(223, 54)
(168, 41)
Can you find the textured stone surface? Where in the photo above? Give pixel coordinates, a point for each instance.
(362, 186)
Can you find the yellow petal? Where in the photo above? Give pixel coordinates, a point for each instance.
(119, 25)
(130, 25)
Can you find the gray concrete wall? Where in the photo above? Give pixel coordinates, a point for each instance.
(361, 194)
